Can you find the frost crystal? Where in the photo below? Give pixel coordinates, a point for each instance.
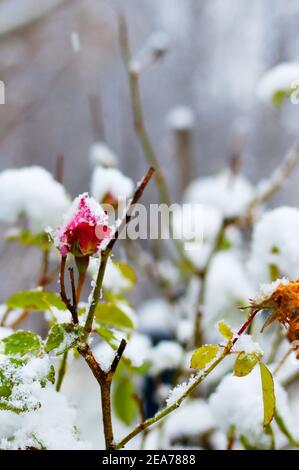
(179, 390)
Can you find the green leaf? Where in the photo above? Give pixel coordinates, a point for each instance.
(127, 273)
(62, 337)
(21, 343)
(113, 315)
(125, 405)
(279, 95)
(283, 427)
(244, 364)
(225, 330)
(26, 238)
(108, 336)
(203, 356)
(268, 394)
(38, 300)
(274, 272)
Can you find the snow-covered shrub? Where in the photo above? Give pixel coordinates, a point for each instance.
(159, 343)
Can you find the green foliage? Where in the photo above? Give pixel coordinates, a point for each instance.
(245, 363)
(283, 427)
(127, 273)
(113, 314)
(107, 335)
(36, 300)
(21, 343)
(125, 404)
(203, 356)
(63, 337)
(26, 238)
(268, 394)
(279, 96)
(273, 272)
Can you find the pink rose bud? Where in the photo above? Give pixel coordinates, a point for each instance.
(84, 229)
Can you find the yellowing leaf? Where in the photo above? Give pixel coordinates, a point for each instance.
(244, 364)
(268, 394)
(225, 330)
(203, 356)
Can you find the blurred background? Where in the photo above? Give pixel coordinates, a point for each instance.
(60, 98)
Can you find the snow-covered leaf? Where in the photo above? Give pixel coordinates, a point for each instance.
(268, 394)
(244, 364)
(203, 356)
(19, 381)
(63, 337)
(21, 343)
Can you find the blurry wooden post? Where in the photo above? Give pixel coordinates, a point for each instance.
(183, 151)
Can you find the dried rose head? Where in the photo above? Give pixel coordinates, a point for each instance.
(282, 298)
(84, 230)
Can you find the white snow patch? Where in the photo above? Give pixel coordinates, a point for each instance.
(32, 191)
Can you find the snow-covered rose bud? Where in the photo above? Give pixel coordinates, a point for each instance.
(84, 229)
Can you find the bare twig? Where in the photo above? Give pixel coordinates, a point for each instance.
(71, 307)
(139, 126)
(74, 296)
(104, 379)
(278, 177)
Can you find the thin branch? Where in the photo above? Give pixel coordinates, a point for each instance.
(118, 356)
(139, 126)
(71, 307)
(104, 379)
(168, 409)
(278, 177)
(74, 311)
(283, 360)
(106, 253)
